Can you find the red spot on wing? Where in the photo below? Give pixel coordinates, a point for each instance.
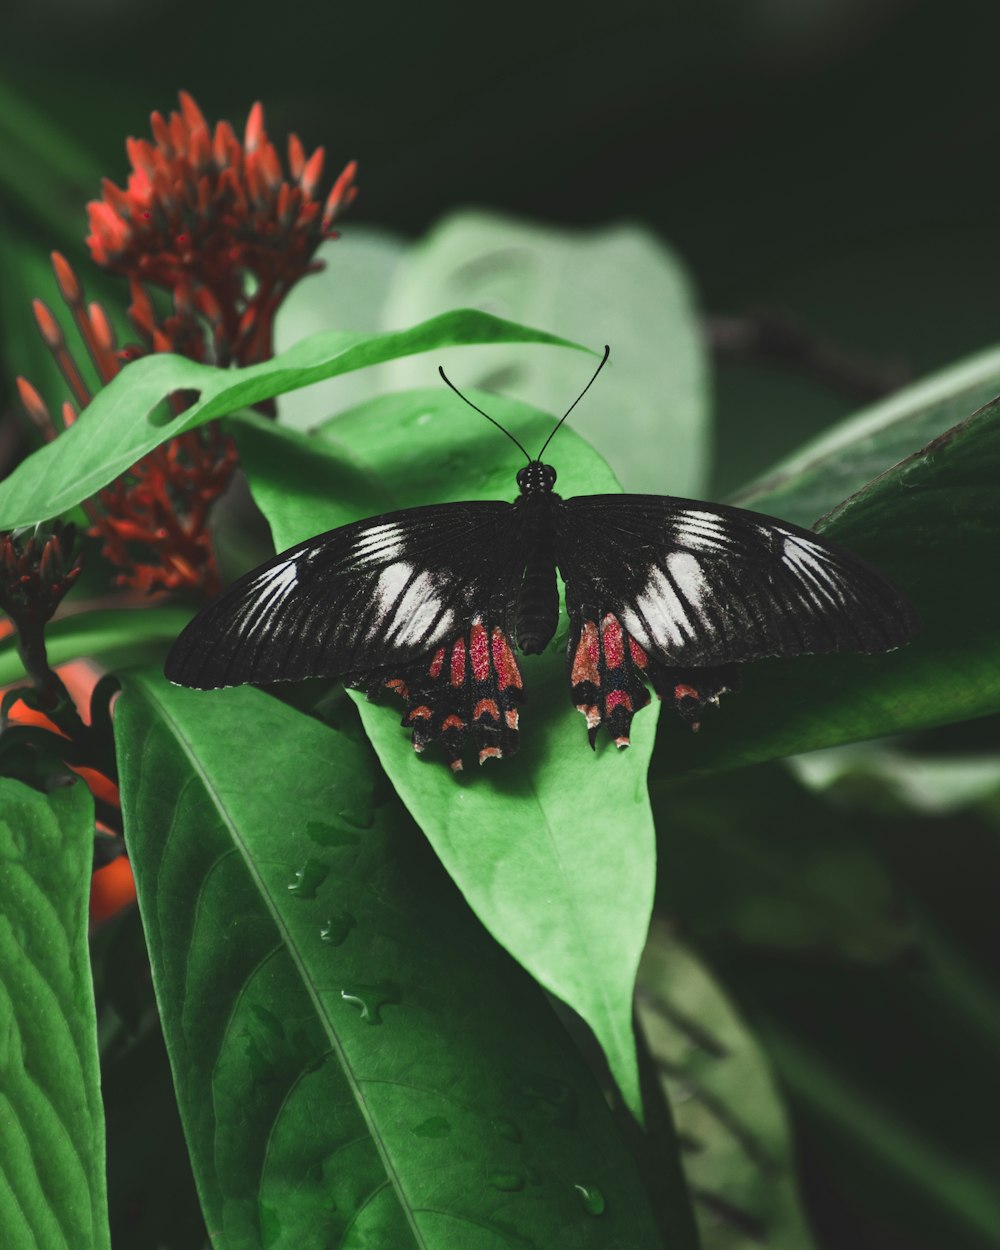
(490, 753)
(588, 651)
(611, 637)
(452, 722)
(397, 686)
(423, 712)
(486, 707)
(618, 698)
(682, 691)
(479, 651)
(639, 657)
(504, 661)
(511, 718)
(458, 663)
(437, 664)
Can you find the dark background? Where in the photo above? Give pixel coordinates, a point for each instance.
(833, 161)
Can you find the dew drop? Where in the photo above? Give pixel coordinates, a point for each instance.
(337, 929)
(508, 1182)
(591, 1198)
(505, 1127)
(308, 879)
(369, 999)
(435, 1126)
(329, 835)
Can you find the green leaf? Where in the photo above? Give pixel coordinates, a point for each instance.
(842, 460)
(356, 1063)
(125, 420)
(618, 284)
(932, 523)
(738, 1155)
(52, 1190)
(112, 636)
(758, 859)
(554, 849)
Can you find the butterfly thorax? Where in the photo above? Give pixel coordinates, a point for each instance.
(538, 597)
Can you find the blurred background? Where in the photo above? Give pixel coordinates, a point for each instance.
(826, 171)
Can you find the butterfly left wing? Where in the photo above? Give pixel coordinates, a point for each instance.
(422, 601)
(681, 590)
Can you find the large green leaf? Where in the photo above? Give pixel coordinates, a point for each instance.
(554, 849)
(126, 419)
(618, 284)
(52, 1192)
(932, 522)
(757, 858)
(842, 460)
(356, 1063)
(738, 1155)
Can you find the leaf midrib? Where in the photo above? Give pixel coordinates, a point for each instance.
(392, 1174)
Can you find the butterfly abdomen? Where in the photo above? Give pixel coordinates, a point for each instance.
(538, 599)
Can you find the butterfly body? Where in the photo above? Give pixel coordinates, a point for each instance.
(427, 602)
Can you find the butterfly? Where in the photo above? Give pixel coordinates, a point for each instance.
(429, 603)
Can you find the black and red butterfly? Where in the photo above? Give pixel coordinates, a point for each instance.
(428, 602)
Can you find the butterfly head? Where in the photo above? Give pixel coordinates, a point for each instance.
(536, 478)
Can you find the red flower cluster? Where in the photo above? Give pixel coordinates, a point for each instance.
(162, 503)
(214, 222)
(163, 506)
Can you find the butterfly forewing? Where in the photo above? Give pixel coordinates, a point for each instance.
(373, 595)
(697, 584)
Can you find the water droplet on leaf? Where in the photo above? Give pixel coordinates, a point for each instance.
(591, 1198)
(337, 929)
(369, 999)
(308, 879)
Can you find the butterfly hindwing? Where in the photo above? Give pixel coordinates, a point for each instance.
(678, 591)
(375, 595)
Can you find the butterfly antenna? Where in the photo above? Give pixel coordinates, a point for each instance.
(604, 361)
(481, 413)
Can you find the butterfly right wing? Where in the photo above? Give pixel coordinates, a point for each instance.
(678, 591)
